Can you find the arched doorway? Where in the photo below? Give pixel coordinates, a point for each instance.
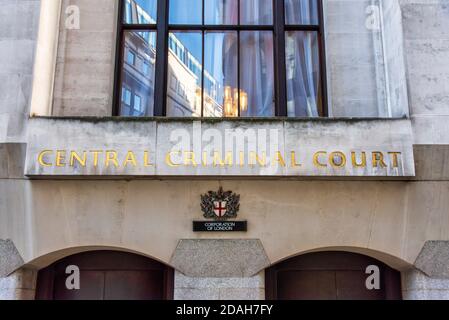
(330, 276)
(107, 275)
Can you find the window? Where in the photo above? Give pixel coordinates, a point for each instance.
(131, 58)
(138, 105)
(225, 58)
(146, 68)
(126, 96)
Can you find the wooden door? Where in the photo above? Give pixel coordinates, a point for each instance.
(330, 276)
(107, 275)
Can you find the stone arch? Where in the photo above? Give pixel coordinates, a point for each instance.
(43, 260)
(104, 274)
(389, 259)
(333, 274)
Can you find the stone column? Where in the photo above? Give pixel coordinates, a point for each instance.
(243, 288)
(45, 59)
(417, 286)
(219, 270)
(20, 285)
(429, 280)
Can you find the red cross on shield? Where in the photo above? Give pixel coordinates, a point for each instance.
(220, 208)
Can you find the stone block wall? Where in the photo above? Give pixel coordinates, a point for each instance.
(21, 285)
(417, 286)
(244, 288)
(18, 32)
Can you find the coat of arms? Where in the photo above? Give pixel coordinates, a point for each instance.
(220, 205)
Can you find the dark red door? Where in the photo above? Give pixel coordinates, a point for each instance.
(107, 275)
(330, 276)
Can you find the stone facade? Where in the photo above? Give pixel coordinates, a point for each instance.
(20, 285)
(397, 70)
(206, 288)
(417, 286)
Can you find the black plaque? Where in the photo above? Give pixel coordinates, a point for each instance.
(220, 226)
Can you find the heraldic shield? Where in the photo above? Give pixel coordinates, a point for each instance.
(220, 205)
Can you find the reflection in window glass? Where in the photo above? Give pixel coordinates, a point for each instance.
(130, 57)
(221, 12)
(139, 83)
(220, 74)
(185, 65)
(126, 96)
(138, 104)
(303, 74)
(256, 74)
(301, 12)
(140, 11)
(256, 12)
(185, 12)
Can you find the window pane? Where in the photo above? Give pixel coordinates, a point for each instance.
(186, 12)
(184, 72)
(220, 75)
(221, 11)
(138, 95)
(130, 57)
(256, 12)
(256, 74)
(303, 74)
(301, 12)
(140, 11)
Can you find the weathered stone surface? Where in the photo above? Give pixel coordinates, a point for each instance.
(365, 61)
(426, 42)
(244, 288)
(10, 258)
(86, 60)
(18, 32)
(21, 285)
(431, 162)
(12, 160)
(186, 282)
(433, 259)
(417, 286)
(219, 258)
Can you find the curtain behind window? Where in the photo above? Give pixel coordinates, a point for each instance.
(302, 59)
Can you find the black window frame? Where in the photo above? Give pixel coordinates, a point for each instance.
(162, 28)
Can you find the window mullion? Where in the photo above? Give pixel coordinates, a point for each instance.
(160, 88)
(323, 71)
(238, 60)
(118, 63)
(202, 59)
(279, 56)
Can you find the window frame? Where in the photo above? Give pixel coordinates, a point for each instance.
(162, 29)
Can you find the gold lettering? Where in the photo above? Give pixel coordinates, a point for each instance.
(278, 158)
(130, 159)
(189, 158)
(96, 153)
(75, 156)
(228, 160)
(146, 159)
(40, 158)
(60, 158)
(337, 154)
(204, 159)
(378, 158)
(355, 164)
(294, 163)
(242, 159)
(169, 161)
(111, 156)
(254, 157)
(395, 159)
(316, 159)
